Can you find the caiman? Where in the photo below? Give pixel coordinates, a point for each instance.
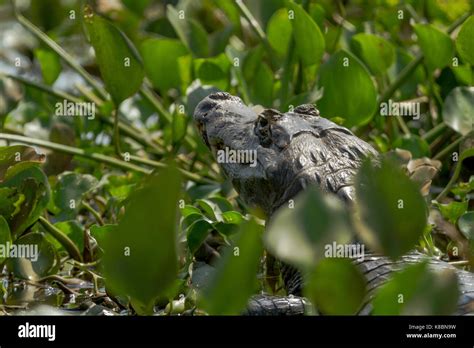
(294, 150)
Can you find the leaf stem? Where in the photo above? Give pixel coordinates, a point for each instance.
(62, 238)
(76, 152)
(433, 132)
(94, 213)
(58, 49)
(465, 154)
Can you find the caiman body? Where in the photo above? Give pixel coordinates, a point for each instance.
(294, 150)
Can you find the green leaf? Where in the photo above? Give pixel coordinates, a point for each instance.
(437, 47)
(34, 194)
(279, 31)
(391, 209)
(299, 235)
(349, 91)
(190, 32)
(5, 236)
(50, 65)
(74, 231)
(179, 126)
(12, 155)
(308, 38)
(197, 233)
(261, 89)
(458, 109)
(376, 52)
(101, 233)
(213, 71)
(237, 269)
(466, 225)
(464, 41)
(68, 193)
(453, 210)
(416, 145)
(119, 63)
(328, 285)
(160, 58)
(418, 291)
(143, 264)
(42, 258)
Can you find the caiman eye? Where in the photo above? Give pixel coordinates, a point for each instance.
(263, 131)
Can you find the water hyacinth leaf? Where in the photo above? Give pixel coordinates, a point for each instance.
(464, 41)
(415, 144)
(179, 126)
(68, 193)
(74, 231)
(458, 109)
(5, 236)
(237, 269)
(34, 194)
(100, 233)
(376, 52)
(466, 225)
(328, 283)
(190, 32)
(391, 209)
(12, 155)
(41, 257)
(261, 89)
(123, 74)
(453, 210)
(160, 59)
(143, 265)
(349, 91)
(197, 233)
(213, 71)
(279, 31)
(308, 38)
(50, 65)
(416, 290)
(299, 235)
(437, 47)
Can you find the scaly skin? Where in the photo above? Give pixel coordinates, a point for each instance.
(294, 150)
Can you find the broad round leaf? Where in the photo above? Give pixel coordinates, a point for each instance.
(458, 109)
(50, 65)
(464, 40)
(376, 52)
(140, 257)
(236, 274)
(279, 31)
(308, 38)
(437, 47)
(413, 143)
(466, 225)
(336, 287)
(418, 291)
(119, 62)
(190, 32)
(349, 91)
(391, 209)
(40, 257)
(160, 58)
(299, 235)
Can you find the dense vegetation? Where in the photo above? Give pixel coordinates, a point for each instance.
(126, 205)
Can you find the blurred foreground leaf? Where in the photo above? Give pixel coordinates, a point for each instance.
(140, 255)
(418, 291)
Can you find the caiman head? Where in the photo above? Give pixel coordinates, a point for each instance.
(271, 156)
